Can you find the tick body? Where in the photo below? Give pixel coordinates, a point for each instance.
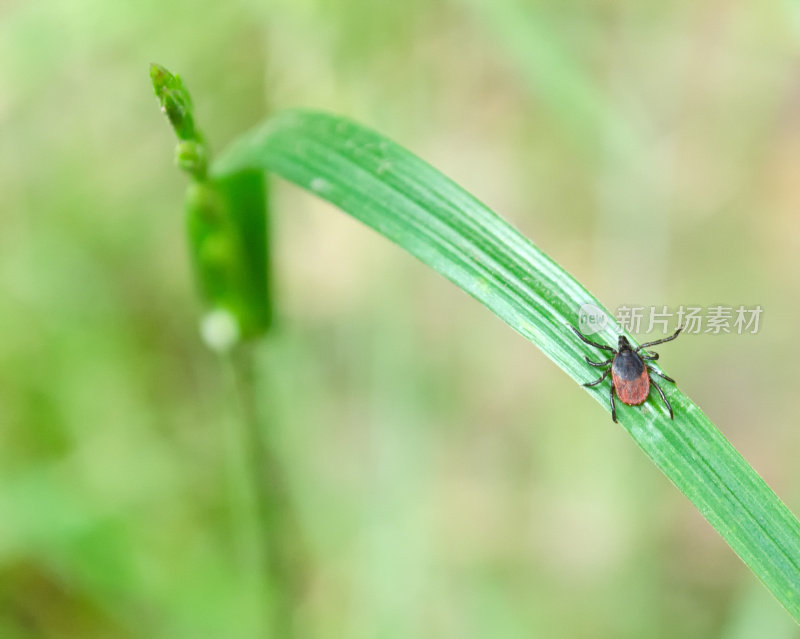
(630, 372)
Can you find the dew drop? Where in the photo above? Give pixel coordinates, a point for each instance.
(219, 329)
(320, 185)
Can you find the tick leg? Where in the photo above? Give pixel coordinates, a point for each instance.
(597, 381)
(613, 407)
(649, 356)
(661, 341)
(591, 363)
(590, 342)
(663, 397)
(666, 377)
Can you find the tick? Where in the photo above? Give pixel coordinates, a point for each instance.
(630, 372)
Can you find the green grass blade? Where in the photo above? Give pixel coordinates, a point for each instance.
(415, 206)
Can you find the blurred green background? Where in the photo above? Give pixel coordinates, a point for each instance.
(449, 479)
